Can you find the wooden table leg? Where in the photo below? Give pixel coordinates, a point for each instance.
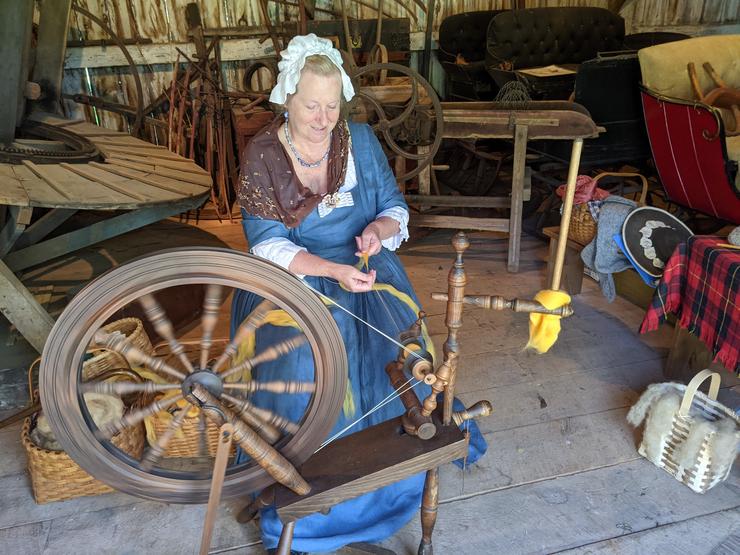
(517, 197)
(429, 504)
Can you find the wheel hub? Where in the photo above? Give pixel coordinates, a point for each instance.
(204, 378)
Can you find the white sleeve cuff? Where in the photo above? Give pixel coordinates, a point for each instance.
(401, 215)
(279, 250)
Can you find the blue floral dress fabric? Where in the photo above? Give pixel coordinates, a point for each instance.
(379, 514)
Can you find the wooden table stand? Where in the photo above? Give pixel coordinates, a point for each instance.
(540, 120)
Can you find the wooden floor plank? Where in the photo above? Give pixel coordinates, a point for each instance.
(547, 398)
(537, 452)
(137, 528)
(12, 455)
(567, 512)
(716, 534)
(16, 490)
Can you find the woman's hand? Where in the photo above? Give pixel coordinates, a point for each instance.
(353, 279)
(369, 242)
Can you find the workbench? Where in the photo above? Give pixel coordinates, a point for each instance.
(542, 120)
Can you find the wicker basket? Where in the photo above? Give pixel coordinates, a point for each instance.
(105, 360)
(582, 228)
(704, 473)
(184, 444)
(55, 476)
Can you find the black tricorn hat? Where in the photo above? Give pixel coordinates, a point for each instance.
(650, 235)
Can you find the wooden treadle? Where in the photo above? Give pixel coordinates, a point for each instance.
(365, 461)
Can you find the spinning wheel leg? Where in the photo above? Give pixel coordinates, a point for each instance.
(286, 538)
(429, 504)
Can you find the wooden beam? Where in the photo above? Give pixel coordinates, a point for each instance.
(16, 18)
(50, 52)
(18, 218)
(43, 226)
(22, 310)
(166, 53)
(459, 201)
(460, 222)
(100, 231)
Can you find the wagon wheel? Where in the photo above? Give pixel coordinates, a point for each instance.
(218, 388)
(414, 120)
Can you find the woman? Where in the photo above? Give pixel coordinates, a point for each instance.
(317, 195)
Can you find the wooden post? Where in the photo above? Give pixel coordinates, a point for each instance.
(50, 51)
(15, 42)
(517, 196)
(22, 310)
(570, 191)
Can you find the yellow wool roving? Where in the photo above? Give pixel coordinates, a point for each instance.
(545, 328)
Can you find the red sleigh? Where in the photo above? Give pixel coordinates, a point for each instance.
(696, 161)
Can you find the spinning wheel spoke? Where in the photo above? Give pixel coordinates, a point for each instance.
(263, 417)
(124, 388)
(271, 353)
(211, 305)
(154, 454)
(164, 327)
(250, 324)
(257, 448)
(202, 436)
(274, 387)
(117, 342)
(134, 417)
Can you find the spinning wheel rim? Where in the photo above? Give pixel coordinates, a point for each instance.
(61, 397)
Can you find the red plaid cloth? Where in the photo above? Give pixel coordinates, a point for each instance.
(700, 285)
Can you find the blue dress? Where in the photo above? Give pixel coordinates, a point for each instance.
(379, 514)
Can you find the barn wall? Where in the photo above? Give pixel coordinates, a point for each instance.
(163, 22)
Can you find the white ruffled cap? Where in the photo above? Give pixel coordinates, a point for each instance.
(293, 59)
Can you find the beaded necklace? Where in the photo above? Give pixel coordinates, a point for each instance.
(301, 161)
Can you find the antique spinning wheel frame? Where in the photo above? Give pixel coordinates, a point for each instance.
(62, 385)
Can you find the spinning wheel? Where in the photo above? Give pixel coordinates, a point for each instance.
(210, 382)
(411, 123)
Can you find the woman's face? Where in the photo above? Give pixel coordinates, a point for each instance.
(313, 110)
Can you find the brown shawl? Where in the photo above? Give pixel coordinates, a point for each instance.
(268, 186)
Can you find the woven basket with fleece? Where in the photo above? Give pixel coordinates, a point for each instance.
(582, 228)
(687, 433)
(105, 360)
(55, 476)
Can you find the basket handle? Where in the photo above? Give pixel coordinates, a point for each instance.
(643, 195)
(693, 386)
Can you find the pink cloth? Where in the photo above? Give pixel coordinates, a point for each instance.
(586, 190)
